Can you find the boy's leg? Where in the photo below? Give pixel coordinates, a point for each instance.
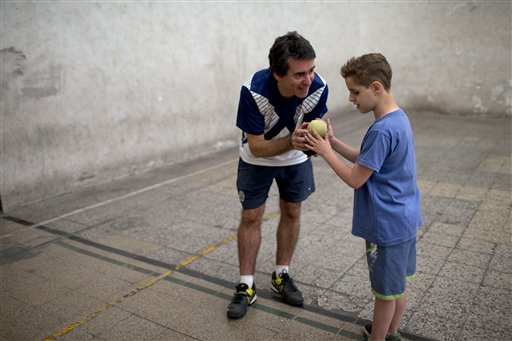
(383, 313)
(399, 311)
(389, 268)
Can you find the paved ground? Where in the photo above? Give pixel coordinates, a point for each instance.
(153, 256)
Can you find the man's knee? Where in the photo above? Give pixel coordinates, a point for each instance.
(290, 209)
(252, 217)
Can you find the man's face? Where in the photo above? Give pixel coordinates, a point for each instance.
(297, 80)
(362, 97)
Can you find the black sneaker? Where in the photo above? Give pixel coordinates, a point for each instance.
(367, 330)
(284, 286)
(244, 297)
(390, 337)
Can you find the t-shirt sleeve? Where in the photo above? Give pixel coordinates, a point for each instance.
(320, 109)
(249, 118)
(374, 150)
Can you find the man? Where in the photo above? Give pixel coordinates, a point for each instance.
(275, 106)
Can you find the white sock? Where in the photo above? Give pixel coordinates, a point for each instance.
(247, 279)
(281, 268)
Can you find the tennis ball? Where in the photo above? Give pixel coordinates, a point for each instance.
(319, 125)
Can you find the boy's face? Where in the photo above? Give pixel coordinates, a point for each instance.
(298, 79)
(363, 97)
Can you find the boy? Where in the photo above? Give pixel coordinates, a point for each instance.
(387, 209)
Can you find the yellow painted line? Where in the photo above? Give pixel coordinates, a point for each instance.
(107, 306)
(271, 216)
(147, 284)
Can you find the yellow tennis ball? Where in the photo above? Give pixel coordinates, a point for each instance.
(318, 125)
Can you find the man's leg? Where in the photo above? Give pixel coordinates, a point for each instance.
(287, 236)
(249, 239)
(287, 232)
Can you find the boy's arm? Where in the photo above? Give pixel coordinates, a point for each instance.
(348, 152)
(355, 177)
(341, 147)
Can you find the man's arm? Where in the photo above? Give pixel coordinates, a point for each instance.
(267, 148)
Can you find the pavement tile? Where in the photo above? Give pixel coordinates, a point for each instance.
(353, 285)
(502, 259)
(31, 325)
(102, 322)
(433, 237)
(173, 335)
(500, 280)
(334, 300)
(476, 245)
(462, 272)
(472, 193)
(215, 326)
(470, 258)
(132, 328)
(173, 214)
(449, 229)
(317, 276)
(443, 189)
(437, 327)
(165, 310)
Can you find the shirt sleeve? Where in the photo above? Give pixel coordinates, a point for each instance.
(320, 109)
(374, 150)
(249, 118)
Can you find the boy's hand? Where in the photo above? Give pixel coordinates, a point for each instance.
(320, 145)
(330, 131)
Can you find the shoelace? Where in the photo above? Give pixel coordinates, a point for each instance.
(288, 282)
(239, 297)
(240, 294)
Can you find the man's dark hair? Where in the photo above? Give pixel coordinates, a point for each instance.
(291, 45)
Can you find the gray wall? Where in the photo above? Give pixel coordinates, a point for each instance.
(96, 91)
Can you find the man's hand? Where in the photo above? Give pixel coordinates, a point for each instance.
(299, 137)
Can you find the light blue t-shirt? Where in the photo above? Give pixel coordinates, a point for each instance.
(387, 207)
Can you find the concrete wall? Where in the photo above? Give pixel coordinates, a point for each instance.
(95, 91)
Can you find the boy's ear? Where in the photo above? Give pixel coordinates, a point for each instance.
(376, 87)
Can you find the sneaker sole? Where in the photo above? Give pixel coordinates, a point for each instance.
(295, 304)
(239, 315)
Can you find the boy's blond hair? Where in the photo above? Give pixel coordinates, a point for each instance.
(368, 68)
